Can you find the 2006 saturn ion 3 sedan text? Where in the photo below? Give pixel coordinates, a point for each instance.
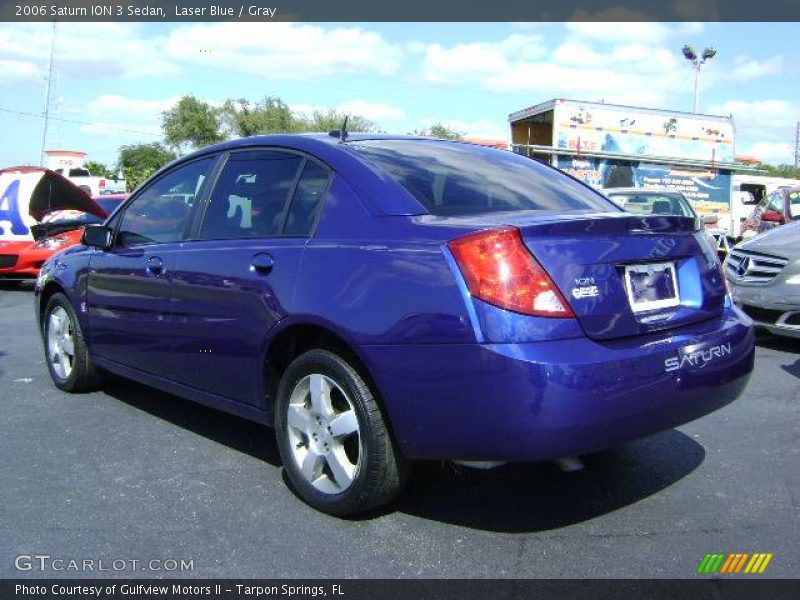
(383, 299)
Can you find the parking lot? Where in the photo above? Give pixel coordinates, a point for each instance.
(132, 473)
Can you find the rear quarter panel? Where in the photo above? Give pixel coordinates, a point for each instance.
(377, 280)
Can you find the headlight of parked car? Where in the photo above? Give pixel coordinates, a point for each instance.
(50, 243)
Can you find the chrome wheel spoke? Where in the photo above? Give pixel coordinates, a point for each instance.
(344, 424)
(341, 467)
(311, 466)
(300, 418)
(68, 345)
(320, 395)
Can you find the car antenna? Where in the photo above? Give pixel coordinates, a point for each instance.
(341, 133)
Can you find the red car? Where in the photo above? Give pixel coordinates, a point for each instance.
(778, 208)
(42, 213)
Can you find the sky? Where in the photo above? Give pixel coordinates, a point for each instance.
(111, 81)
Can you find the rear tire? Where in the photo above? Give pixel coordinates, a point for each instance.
(336, 448)
(67, 355)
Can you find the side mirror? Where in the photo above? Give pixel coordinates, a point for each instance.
(98, 236)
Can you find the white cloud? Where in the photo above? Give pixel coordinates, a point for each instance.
(283, 50)
(85, 50)
(101, 128)
(17, 70)
(769, 122)
(615, 72)
(482, 128)
(746, 68)
(375, 111)
(769, 152)
(116, 104)
(623, 32)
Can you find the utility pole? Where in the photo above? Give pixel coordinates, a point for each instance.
(47, 94)
(797, 146)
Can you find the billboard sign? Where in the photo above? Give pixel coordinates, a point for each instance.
(592, 127)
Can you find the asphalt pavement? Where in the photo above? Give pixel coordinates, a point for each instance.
(133, 474)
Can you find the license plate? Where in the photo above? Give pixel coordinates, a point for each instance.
(651, 286)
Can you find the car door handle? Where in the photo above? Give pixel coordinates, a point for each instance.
(155, 265)
(262, 264)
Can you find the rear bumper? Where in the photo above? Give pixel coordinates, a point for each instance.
(542, 400)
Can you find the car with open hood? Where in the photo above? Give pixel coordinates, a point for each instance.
(41, 213)
(764, 276)
(383, 299)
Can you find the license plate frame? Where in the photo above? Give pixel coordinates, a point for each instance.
(634, 289)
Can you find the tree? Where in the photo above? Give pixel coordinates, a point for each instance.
(191, 122)
(271, 115)
(139, 161)
(788, 171)
(332, 119)
(439, 130)
(99, 169)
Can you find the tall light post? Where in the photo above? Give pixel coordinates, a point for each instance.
(690, 55)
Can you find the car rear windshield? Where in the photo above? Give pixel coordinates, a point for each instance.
(653, 204)
(459, 179)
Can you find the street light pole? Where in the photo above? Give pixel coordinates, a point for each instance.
(697, 61)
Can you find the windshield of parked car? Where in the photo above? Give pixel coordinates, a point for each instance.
(793, 196)
(459, 179)
(653, 203)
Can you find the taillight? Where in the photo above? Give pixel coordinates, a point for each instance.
(499, 269)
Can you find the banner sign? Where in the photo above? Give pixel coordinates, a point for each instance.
(593, 127)
(707, 190)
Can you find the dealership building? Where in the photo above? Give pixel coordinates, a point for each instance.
(612, 146)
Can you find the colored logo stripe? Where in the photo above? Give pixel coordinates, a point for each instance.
(734, 563)
(758, 563)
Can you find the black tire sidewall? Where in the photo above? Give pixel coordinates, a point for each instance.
(70, 383)
(329, 364)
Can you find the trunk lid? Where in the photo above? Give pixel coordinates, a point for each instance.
(587, 255)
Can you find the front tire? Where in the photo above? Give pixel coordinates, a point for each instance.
(67, 355)
(336, 448)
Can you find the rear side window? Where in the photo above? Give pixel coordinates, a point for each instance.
(251, 195)
(459, 179)
(306, 200)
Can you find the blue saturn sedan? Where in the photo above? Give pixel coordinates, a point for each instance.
(385, 299)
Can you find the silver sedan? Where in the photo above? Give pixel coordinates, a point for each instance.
(764, 277)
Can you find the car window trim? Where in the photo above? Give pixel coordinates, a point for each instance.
(119, 215)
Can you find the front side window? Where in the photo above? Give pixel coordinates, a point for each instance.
(250, 197)
(162, 212)
(460, 179)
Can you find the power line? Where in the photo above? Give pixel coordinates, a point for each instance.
(78, 122)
